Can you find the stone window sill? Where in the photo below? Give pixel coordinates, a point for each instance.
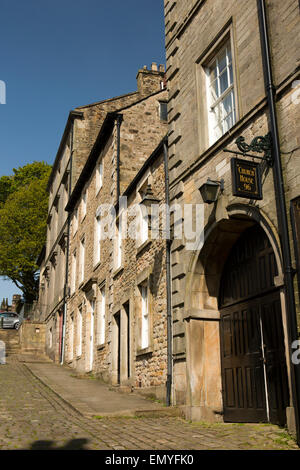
(96, 265)
(143, 246)
(143, 352)
(118, 271)
(98, 190)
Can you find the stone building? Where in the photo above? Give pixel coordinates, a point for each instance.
(116, 312)
(234, 299)
(81, 131)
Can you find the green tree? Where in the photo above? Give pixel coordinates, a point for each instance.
(23, 227)
(5, 188)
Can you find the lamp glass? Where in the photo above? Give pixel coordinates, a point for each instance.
(209, 191)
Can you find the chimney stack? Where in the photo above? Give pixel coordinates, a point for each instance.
(150, 81)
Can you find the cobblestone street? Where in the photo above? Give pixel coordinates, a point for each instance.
(33, 417)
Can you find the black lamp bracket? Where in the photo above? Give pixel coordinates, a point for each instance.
(219, 182)
(260, 144)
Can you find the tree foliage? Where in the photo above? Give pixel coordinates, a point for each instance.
(23, 214)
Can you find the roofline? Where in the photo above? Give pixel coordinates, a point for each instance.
(106, 100)
(89, 166)
(147, 163)
(99, 144)
(72, 115)
(41, 256)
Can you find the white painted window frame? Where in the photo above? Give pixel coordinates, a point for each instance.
(99, 175)
(82, 260)
(101, 318)
(79, 332)
(217, 127)
(145, 316)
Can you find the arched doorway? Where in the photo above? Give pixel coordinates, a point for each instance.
(254, 375)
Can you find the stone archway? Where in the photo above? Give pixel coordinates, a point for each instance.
(202, 316)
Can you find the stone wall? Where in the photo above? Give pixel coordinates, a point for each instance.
(192, 32)
(32, 337)
(141, 131)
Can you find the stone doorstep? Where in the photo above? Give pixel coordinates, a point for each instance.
(172, 411)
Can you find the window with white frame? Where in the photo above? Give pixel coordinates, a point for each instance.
(144, 316)
(97, 239)
(99, 176)
(83, 204)
(50, 338)
(82, 260)
(71, 337)
(142, 215)
(220, 93)
(73, 272)
(75, 221)
(79, 332)
(118, 243)
(143, 224)
(101, 317)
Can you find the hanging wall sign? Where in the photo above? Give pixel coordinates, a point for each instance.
(246, 179)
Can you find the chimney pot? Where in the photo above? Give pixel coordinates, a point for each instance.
(154, 66)
(161, 68)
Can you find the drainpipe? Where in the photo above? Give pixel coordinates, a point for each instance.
(67, 251)
(168, 275)
(119, 119)
(281, 208)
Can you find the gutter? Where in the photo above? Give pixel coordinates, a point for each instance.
(281, 210)
(72, 115)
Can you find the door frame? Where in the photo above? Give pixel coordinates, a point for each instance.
(202, 394)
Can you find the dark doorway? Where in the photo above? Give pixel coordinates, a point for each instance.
(254, 375)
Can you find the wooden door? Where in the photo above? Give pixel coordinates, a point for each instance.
(254, 375)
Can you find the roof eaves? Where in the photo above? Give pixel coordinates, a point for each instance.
(72, 115)
(88, 168)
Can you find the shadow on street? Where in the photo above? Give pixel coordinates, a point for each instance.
(74, 444)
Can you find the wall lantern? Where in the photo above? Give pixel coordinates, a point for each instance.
(148, 199)
(210, 190)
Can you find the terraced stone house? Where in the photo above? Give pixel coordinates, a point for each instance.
(95, 289)
(233, 111)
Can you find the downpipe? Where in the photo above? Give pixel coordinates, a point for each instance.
(62, 358)
(281, 209)
(169, 292)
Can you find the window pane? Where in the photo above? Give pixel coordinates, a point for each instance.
(214, 90)
(227, 104)
(213, 72)
(229, 57)
(223, 81)
(230, 74)
(228, 122)
(222, 62)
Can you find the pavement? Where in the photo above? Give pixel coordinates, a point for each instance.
(44, 406)
(89, 396)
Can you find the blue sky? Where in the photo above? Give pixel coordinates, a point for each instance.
(59, 54)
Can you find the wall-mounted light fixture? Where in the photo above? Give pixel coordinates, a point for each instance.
(210, 190)
(149, 199)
